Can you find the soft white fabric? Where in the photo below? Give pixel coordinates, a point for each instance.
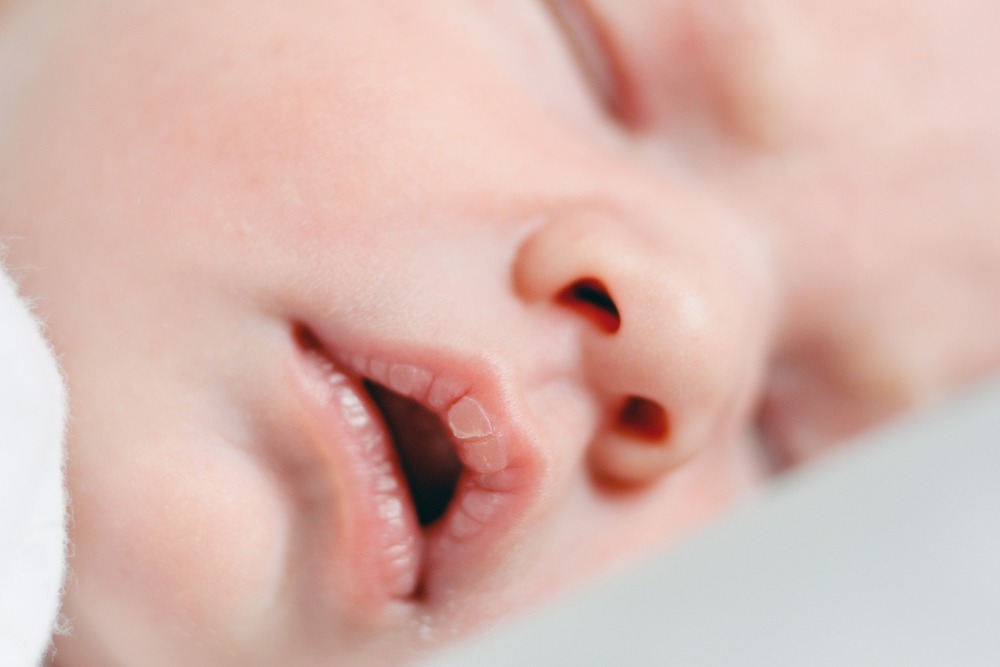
(32, 499)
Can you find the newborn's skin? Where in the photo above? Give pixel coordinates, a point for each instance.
(230, 213)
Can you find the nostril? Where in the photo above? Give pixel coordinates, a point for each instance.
(643, 419)
(590, 298)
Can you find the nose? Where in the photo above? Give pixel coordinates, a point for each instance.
(670, 328)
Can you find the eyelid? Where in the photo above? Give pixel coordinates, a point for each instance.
(594, 50)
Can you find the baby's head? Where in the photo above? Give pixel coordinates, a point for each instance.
(381, 320)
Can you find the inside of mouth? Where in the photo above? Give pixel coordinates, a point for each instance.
(426, 451)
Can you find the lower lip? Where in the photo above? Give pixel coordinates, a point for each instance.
(378, 536)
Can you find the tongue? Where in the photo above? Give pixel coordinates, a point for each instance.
(425, 451)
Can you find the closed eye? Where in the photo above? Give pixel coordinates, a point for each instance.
(592, 48)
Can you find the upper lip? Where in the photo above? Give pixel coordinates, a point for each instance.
(393, 559)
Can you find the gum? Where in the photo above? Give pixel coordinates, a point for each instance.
(478, 447)
(488, 484)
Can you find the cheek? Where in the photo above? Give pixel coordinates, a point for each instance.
(171, 538)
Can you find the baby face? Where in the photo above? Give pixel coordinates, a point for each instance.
(382, 321)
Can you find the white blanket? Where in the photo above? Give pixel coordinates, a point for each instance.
(32, 499)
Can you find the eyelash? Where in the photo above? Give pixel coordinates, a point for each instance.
(593, 50)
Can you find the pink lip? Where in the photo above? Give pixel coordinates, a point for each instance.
(391, 558)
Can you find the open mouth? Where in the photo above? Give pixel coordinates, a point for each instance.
(425, 450)
(429, 470)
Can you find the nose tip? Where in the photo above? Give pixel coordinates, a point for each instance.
(668, 350)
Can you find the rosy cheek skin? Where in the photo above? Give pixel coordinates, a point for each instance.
(203, 546)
